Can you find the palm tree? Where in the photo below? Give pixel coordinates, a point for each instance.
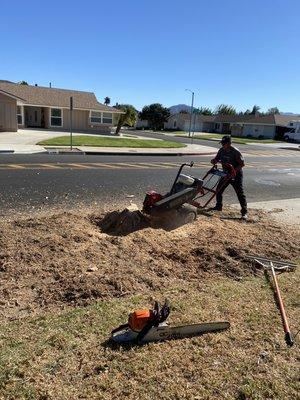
(255, 109)
(107, 100)
(204, 111)
(224, 109)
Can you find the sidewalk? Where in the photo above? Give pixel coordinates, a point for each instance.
(190, 149)
(24, 142)
(286, 211)
(278, 145)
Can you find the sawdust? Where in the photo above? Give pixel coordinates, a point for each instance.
(65, 260)
(123, 222)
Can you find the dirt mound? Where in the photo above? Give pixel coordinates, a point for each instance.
(65, 260)
(123, 222)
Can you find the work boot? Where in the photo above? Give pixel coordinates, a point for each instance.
(215, 208)
(244, 216)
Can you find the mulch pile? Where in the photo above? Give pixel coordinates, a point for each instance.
(64, 259)
(123, 222)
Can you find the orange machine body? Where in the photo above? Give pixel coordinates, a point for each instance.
(139, 318)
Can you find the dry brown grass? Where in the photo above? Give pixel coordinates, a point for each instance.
(57, 310)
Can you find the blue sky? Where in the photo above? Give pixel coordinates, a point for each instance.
(237, 52)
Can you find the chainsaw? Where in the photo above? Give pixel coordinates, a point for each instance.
(150, 326)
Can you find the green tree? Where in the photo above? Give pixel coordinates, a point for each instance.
(156, 115)
(23, 83)
(203, 111)
(128, 118)
(255, 110)
(107, 100)
(273, 110)
(224, 109)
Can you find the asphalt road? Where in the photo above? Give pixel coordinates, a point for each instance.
(31, 182)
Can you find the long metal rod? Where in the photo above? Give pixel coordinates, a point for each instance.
(178, 173)
(288, 336)
(71, 123)
(191, 111)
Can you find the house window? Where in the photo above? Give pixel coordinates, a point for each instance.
(96, 117)
(175, 124)
(217, 126)
(19, 115)
(56, 117)
(107, 118)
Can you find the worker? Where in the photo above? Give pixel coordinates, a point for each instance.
(228, 154)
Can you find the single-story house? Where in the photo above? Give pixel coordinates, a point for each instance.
(26, 106)
(266, 126)
(181, 121)
(142, 124)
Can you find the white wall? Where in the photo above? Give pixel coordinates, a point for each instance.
(196, 127)
(142, 123)
(268, 131)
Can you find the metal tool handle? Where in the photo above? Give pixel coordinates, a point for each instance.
(179, 172)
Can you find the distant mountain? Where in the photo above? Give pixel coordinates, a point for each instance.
(289, 113)
(179, 107)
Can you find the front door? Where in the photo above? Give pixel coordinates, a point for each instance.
(33, 117)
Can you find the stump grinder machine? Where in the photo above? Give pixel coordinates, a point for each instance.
(188, 189)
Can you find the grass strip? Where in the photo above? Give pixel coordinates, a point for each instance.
(95, 141)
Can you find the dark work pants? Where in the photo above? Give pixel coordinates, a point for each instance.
(237, 184)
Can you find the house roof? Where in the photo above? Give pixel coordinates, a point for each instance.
(53, 97)
(277, 119)
(11, 95)
(283, 120)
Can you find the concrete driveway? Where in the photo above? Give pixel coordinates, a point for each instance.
(24, 141)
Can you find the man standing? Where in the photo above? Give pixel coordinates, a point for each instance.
(231, 155)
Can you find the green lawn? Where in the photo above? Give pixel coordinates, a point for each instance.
(239, 140)
(65, 355)
(84, 140)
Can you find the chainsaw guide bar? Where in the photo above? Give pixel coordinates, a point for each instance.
(165, 332)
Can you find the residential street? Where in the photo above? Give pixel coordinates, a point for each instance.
(30, 182)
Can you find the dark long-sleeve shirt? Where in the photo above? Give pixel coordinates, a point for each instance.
(231, 156)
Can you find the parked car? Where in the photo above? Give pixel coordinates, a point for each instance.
(293, 135)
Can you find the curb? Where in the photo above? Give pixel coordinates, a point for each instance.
(120, 153)
(290, 148)
(107, 153)
(62, 151)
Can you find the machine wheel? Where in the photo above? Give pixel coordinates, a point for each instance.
(188, 214)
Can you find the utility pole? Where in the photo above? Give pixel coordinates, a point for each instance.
(71, 122)
(192, 109)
